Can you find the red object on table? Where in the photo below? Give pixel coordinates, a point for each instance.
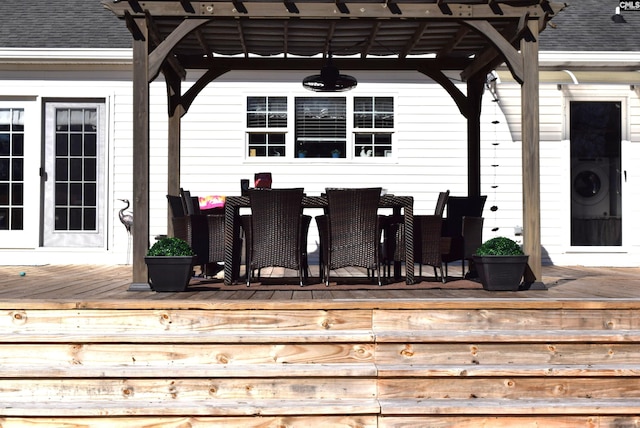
(262, 180)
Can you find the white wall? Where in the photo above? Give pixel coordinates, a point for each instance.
(429, 152)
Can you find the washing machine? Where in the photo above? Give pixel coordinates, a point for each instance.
(590, 188)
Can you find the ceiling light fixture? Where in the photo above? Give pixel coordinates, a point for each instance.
(329, 79)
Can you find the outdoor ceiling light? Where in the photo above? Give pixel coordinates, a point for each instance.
(329, 79)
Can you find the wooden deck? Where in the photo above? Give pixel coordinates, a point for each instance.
(101, 283)
(78, 349)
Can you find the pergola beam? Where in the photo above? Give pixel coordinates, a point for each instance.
(327, 10)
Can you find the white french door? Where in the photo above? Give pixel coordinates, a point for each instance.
(74, 175)
(19, 179)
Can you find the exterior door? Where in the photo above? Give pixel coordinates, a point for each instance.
(19, 180)
(74, 176)
(596, 173)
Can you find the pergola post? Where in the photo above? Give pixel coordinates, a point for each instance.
(173, 160)
(531, 156)
(475, 88)
(140, 158)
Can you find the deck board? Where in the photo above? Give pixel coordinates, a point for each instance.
(108, 284)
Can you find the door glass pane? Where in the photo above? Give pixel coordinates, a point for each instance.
(596, 179)
(11, 169)
(76, 159)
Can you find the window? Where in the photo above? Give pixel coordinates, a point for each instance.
(372, 115)
(76, 169)
(264, 114)
(11, 169)
(321, 127)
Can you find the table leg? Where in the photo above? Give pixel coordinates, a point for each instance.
(408, 239)
(231, 242)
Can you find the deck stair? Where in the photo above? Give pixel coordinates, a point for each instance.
(321, 363)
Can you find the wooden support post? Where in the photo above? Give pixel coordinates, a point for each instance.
(531, 157)
(173, 160)
(140, 159)
(475, 87)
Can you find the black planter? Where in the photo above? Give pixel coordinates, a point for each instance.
(169, 273)
(500, 273)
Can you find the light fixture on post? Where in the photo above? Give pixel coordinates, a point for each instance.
(329, 79)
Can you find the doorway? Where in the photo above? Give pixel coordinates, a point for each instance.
(74, 177)
(596, 173)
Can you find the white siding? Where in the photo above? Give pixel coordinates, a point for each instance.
(430, 149)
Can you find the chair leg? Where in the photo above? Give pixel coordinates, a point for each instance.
(326, 274)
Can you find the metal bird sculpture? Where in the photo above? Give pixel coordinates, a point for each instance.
(126, 218)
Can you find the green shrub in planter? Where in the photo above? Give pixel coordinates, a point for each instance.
(499, 246)
(170, 264)
(500, 263)
(172, 247)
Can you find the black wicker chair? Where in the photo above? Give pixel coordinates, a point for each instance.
(204, 233)
(472, 238)
(393, 236)
(428, 235)
(275, 231)
(458, 207)
(350, 231)
(191, 203)
(441, 203)
(176, 205)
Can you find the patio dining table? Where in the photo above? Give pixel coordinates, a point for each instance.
(399, 204)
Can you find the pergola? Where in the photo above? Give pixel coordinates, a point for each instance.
(438, 38)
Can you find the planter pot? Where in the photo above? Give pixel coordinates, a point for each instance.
(500, 273)
(169, 273)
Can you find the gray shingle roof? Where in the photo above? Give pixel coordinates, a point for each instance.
(60, 24)
(584, 25)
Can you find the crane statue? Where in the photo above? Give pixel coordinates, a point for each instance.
(126, 218)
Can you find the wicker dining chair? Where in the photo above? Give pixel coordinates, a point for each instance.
(274, 231)
(350, 231)
(393, 243)
(305, 222)
(441, 203)
(204, 233)
(176, 206)
(461, 248)
(191, 203)
(428, 235)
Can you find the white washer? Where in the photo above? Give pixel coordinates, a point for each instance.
(590, 188)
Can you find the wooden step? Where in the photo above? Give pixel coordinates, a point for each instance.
(524, 406)
(262, 421)
(211, 407)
